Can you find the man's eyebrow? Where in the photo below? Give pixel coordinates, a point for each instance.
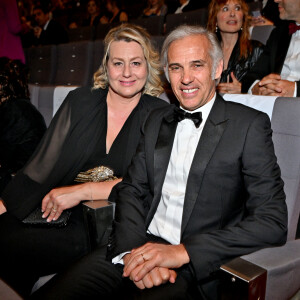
(198, 61)
(174, 64)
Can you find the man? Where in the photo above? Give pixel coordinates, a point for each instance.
(197, 193)
(277, 72)
(48, 30)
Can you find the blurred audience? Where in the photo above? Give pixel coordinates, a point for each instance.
(21, 124)
(230, 21)
(94, 13)
(155, 8)
(117, 13)
(48, 31)
(10, 30)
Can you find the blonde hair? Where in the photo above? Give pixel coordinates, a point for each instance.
(132, 33)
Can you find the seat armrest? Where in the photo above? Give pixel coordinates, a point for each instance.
(242, 280)
(98, 217)
(282, 265)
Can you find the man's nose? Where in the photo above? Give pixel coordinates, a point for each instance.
(187, 77)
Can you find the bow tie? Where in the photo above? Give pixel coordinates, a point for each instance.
(181, 115)
(293, 27)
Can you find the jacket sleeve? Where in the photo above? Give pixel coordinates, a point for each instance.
(262, 66)
(264, 223)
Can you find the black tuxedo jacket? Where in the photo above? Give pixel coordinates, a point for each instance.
(54, 34)
(234, 202)
(272, 59)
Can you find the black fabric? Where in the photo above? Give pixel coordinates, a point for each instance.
(74, 141)
(240, 66)
(21, 128)
(54, 34)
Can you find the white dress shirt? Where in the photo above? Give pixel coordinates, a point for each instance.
(291, 67)
(166, 222)
(167, 219)
(179, 9)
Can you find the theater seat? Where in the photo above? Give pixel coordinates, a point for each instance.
(274, 273)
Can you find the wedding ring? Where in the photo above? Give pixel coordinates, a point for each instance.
(143, 257)
(54, 209)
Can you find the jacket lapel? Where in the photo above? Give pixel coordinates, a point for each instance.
(162, 154)
(211, 135)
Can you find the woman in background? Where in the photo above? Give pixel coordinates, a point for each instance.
(230, 21)
(94, 14)
(117, 14)
(94, 128)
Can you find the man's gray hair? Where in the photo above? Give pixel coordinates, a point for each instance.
(183, 31)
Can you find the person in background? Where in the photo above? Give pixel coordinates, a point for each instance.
(95, 131)
(277, 71)
(155, 8)
(94, 14)
(10, 30)
(181, 6)
(117, 14)
(230, 20)
(21, 124)
(48, 31)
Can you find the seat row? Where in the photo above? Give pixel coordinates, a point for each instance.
(68, 64)
(75, 63)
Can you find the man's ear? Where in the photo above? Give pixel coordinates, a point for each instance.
(166, 73)
(219, 69)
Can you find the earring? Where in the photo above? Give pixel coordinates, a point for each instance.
(217, 28)
(241, 28)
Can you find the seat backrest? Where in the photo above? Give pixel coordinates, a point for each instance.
(103, 29)
(157, 41)
(84, 33)
(195, 17)
(154, 25)
(261, 33)
(74, 62)
(286, 136)
(98, 52)
(42, 64)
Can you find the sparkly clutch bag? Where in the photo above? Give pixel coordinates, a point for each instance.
(35, 219)
(97, 174)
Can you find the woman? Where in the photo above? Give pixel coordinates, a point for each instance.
(230, 21)
(93, 127)
(155, 8)
(117, 15)
(21, 124)
(94, 17)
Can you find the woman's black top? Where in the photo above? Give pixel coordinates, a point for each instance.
(240, 66)
(76, 141)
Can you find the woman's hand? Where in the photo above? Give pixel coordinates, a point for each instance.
(234, 87)
(59, 199)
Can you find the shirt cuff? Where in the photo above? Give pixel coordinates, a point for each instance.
(119, 259)
(253, 84)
